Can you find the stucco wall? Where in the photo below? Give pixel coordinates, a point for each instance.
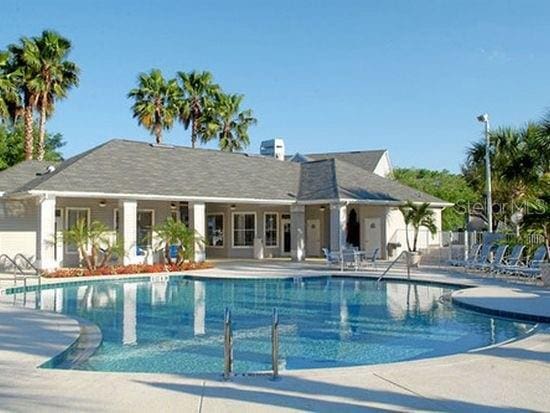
(228, 251)
(18, 228)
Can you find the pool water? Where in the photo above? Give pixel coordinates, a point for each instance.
(176, 326)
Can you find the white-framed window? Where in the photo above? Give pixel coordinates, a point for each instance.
(214, 230)
(271, 229)
(72, 216)
(244, 229)
(144, 227)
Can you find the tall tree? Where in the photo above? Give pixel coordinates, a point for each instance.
(55, 76)
(23, 74)
(198, 92)
(517, 165)
(9, 95)
(445, 185)
(228, 123)
(12, 143)
(156, 102)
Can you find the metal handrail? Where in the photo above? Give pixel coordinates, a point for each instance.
(228, 345)
(275, 344)
(15, 266)
(392, 264)
(27, 261)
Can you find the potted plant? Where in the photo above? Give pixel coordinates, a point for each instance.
(416, 216)
(177, 241)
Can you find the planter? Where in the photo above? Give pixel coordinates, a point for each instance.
(545, 274)
(413, 258)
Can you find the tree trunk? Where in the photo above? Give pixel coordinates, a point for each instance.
(28, 133)
(194, 127)
(42, 130)
(158, 134)
(415, 239)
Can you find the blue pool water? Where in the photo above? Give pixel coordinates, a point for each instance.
(177, 326)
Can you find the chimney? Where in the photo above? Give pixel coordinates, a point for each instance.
(274, 148)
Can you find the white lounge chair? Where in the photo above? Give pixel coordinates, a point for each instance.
(331, 258)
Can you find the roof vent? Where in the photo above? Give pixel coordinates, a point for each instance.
(161, 145)
(50, 169)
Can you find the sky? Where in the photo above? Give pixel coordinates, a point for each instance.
(407, 76)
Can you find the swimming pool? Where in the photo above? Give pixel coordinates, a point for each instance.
(175, 325)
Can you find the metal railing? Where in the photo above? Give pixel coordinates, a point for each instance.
(17, 267)
(28, 262)
(403, 253)
(227, 345)
(228, 359)
(275, 344)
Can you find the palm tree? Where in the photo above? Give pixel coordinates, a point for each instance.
(9, 95)
(24, 76)
(156, 102)
(198, 91)
(228, 123)
(417, 216)
(55, 76)
(176, 233)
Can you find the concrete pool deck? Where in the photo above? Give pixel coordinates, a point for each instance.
(513, 376)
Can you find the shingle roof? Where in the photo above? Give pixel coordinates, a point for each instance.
(138, 168)
(363, 159)
(18, 175)
(129, 167)
(336, 179)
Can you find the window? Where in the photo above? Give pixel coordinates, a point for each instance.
(73, 216)
(214, 223)
(271, 227)
(144, 229)
(184, 213)
(244, 229)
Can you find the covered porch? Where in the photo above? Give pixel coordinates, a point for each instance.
(237, 230)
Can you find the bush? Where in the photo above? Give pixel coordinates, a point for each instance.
(126, 270)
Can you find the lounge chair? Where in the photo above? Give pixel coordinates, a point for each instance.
(513, 259)
(483, 257)
(532, 269)
(472, 254)
(497, 259)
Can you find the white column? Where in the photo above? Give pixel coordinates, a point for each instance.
(45, 237)
(197, 222)
(338, 222)
(297, 232)
(129, 317)
(199, 313)
(128, 230)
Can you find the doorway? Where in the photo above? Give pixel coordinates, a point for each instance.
(313, 238)
(285, 235)
(372, 234)
(353, 229)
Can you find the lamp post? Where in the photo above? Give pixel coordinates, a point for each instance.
(485, 120)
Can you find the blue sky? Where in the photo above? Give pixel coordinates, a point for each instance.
(409, 76)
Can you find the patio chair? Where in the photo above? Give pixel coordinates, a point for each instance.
(483, 257)
(497, 259)
(532, 269)
(513, 259)
(331, 258)
(472, 254)
(349, 258)
(370, 258)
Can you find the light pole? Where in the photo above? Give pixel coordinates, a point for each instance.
(485, 119)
